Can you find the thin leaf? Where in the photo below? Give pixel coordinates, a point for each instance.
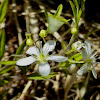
(8, 68)
(59, 10)
(46, 14)
(8, 62)
(21, 47)
(76, 3)
(3, 9)
(74, 11)
(40, 77)
(79, 15)
(64, 20)
(82, 4)
(2, 42)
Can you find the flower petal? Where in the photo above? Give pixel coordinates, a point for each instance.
(49, 46)
(88, 47)
(25, 61)
(84, 54)
(57, 58)
(33, 50)
(82, 70)
(44, 69)
(94, 72)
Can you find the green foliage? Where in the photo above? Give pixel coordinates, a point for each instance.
(4, 81)
(77, 10)
(64, 65)
(76, 57)
(59, 10)
(74, 12)
(8, 62)
(2, 42)
(40, 77)
(3, 10)
(6, 69)
(55, 21)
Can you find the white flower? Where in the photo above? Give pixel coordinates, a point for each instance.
(89, 59)
(77, 46)
(42, 56)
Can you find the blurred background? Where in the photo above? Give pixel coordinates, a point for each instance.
(19, 13)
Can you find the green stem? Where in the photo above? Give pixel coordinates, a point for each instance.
(68, 52)
(44, 40)
(63, 45)
(71, 40)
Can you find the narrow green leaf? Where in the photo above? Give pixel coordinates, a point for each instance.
(59, 10)
(8, 62)
(3, 9)
(74, 11)
(2, 42)
(46, 14)
(76, 3)
(40, 77)
(8, 68)
(82, 4)
(79, 15)
(21, 47)
(64, 20)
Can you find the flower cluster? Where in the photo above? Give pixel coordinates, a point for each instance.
(41, 56)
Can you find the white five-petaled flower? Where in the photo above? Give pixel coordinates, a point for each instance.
(89, 59)
(42, 56)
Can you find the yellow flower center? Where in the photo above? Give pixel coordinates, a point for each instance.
(41, 58)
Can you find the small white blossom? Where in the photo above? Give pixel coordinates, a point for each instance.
(77, 46)
(41, 56)
(89, 59)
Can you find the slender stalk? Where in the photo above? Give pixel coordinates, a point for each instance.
(44, 40)
(70, 42)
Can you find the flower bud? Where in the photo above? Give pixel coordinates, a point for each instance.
(43, 33)
(29, 40)
(74, 30)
